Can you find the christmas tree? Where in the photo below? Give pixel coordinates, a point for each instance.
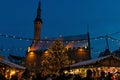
(54, 59)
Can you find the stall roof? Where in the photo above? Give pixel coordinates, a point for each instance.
(3, 61)
(109, 60)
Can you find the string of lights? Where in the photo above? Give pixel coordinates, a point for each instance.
(47, 40)
(30, 39)
(13, 49)
(115, 33)
(15, 37)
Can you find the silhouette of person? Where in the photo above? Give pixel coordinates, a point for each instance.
(2, 77)
(109, 76)
(89, 75)
(25, 75)
(14, 77)
(102, 77)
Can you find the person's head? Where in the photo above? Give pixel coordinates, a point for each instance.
(110, 74)
(89, 72)
(102, 73)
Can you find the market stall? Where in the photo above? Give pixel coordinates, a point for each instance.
(107, 64)
(8, 68)
(108, 61)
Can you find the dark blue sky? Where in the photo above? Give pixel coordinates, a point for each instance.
(60, 17)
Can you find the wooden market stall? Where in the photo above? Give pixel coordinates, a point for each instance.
(108, 61)
(107, 64)
(8, 68)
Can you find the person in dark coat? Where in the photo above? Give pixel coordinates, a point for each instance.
(14, 77)
(25, 75)
(89, 75)
(2, 77)
(102, 77)
(109, 76)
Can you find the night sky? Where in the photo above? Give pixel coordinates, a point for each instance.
(60, 17)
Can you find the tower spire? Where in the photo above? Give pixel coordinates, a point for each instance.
(38, 10)
(38, 16)
(37, 23)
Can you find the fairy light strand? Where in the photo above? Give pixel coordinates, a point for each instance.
(48, 40)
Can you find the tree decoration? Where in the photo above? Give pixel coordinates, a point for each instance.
(55, 60)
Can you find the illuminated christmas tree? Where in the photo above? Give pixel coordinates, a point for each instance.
(54, 59)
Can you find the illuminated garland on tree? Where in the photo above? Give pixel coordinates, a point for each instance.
(54, 59)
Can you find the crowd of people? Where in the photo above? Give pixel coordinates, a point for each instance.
(62, 76)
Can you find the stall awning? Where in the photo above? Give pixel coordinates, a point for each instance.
(10, 64)
(108, 61)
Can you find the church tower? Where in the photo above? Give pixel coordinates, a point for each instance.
(37, 29)
(32, 57)
(37, 24)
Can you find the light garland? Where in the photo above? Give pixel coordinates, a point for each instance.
(46, 39)
(49, 40)
(15, 37)
(30, 39)
(11, 49)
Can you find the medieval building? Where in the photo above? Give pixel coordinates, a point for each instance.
(77, 46)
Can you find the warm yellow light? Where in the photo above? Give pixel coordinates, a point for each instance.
(31, 56)
(65, 71)
(28, 49)
(46, 53)
(68, 46)
(81, 50)
(7, 70)
(31, 53)
(12, 72)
